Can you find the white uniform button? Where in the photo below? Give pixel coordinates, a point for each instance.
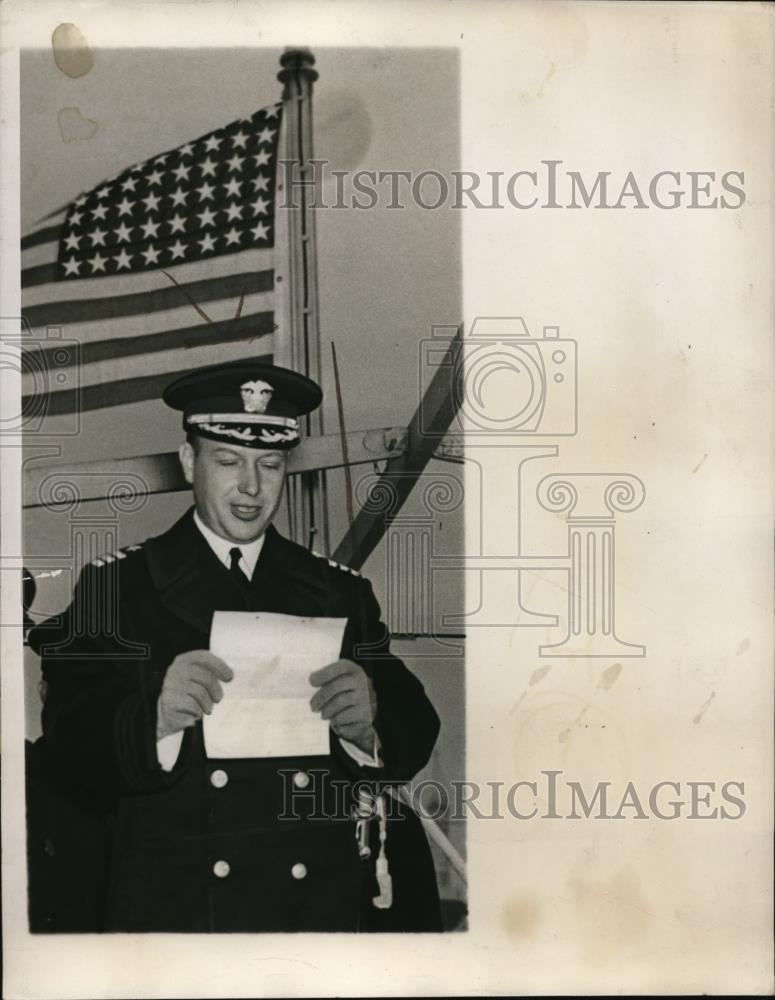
(219, 778)
(221, 869)
(301, 779)
(298, 871)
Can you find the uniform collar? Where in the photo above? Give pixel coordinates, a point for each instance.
(184, 569)
(222, 547)
(185, 572)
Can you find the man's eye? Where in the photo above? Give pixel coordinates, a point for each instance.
(226, 461)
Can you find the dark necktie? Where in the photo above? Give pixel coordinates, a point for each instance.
(235, 555)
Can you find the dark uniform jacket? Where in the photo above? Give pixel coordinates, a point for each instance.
(214, 845)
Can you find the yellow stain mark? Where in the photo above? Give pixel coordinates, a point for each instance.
(71, 50)
(546, 79)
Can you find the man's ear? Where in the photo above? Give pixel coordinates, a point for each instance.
(186, 456)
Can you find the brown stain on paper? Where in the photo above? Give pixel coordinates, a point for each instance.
(346, 128)
(538, 675)
(613, 914)
(73, 126)
(521, 916)
(71, 50)
(546, 79)
(610, 677)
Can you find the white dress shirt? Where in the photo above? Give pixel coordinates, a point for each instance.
(168, 748)
(222, 548)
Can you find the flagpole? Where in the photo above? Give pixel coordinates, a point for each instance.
(299, 345)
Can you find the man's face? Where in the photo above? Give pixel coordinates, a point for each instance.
(237, 490)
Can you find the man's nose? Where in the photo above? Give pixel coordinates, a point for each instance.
(250, 481)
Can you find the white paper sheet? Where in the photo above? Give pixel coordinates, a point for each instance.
(265, 707)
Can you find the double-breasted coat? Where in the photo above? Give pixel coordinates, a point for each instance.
(216, 845)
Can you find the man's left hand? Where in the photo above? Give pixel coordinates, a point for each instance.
(346, 697)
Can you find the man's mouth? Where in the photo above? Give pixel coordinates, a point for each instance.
(245, 511)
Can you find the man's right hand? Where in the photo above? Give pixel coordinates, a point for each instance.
(191, 688)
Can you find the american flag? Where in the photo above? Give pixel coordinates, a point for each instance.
(131, 269)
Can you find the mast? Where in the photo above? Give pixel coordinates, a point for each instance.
(297, 343)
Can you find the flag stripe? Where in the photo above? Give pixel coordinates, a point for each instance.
(43, 253)
(51, 234)
(134, 366)
(61, 313)
(245, 328)
(40, 275)
(147, 281)
(220, 311)
(109, 394)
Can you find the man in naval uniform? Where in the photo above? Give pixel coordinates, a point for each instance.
(189, 843)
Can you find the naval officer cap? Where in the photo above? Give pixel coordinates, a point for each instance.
(247, 403)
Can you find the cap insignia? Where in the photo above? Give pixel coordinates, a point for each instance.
(256, 395)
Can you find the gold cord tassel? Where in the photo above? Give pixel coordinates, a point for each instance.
(385, 898)
(363, 814)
